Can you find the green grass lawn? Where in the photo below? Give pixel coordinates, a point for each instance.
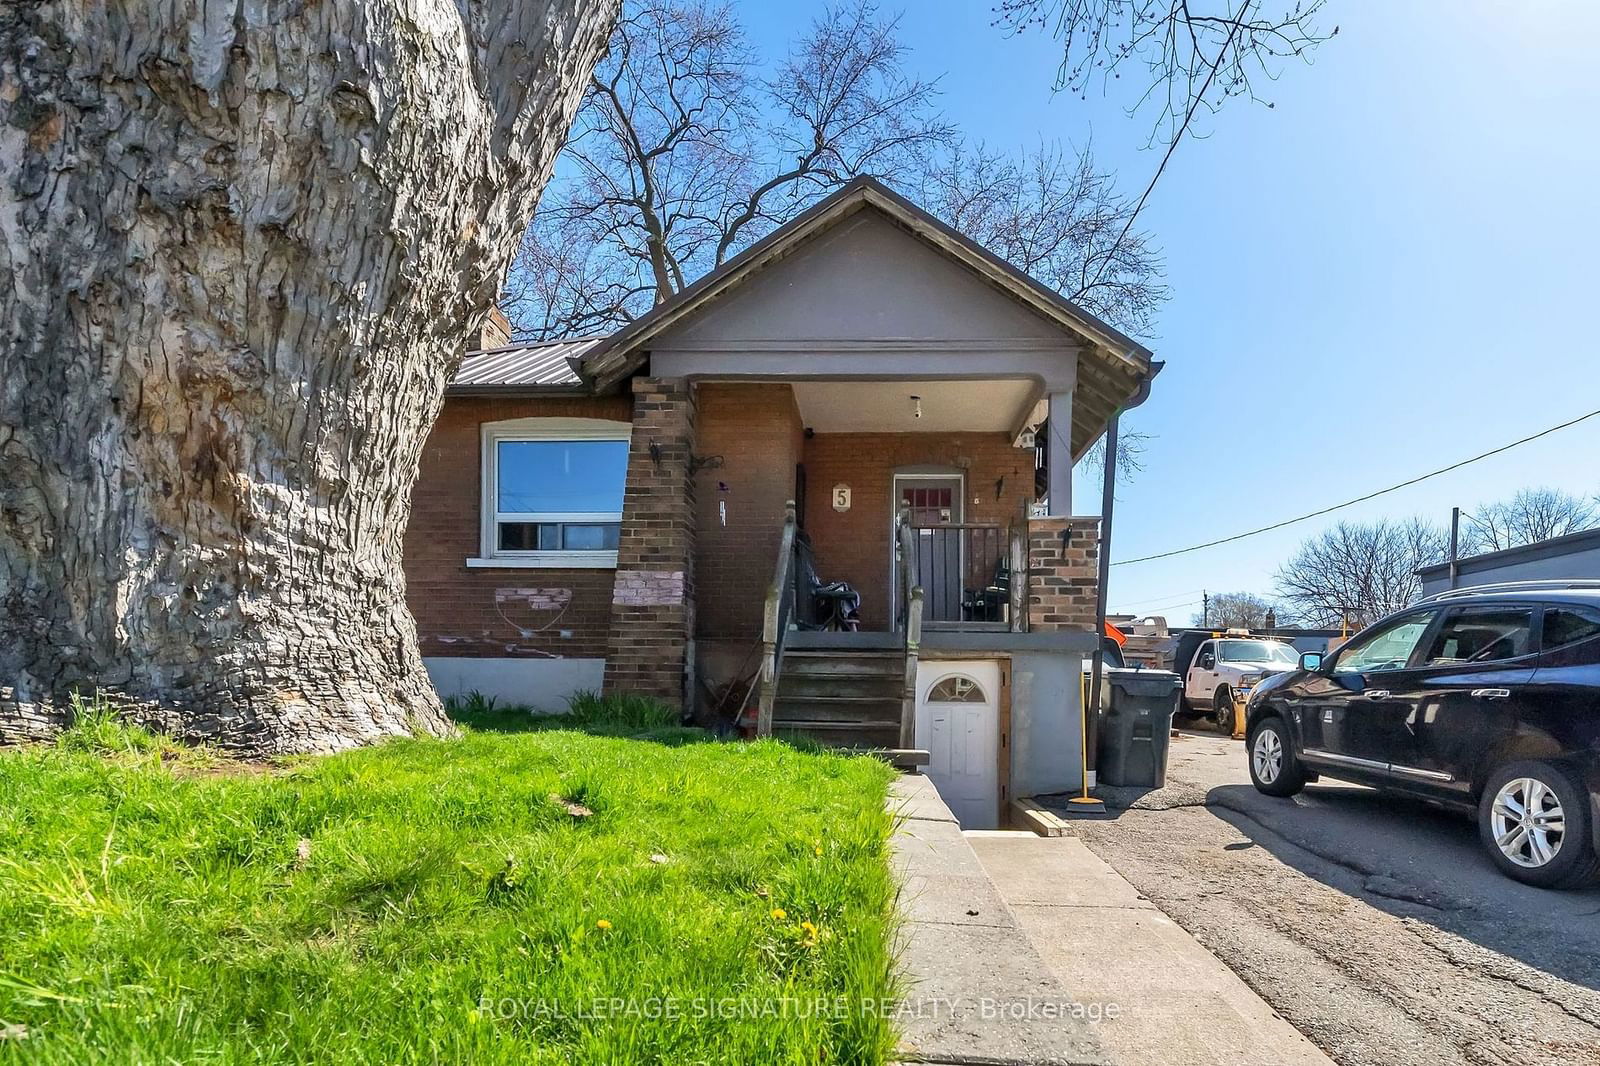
(445, 900)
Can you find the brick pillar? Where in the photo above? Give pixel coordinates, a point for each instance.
(1063, 573)
(652, 602)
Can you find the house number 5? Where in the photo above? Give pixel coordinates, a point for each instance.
(841, 497)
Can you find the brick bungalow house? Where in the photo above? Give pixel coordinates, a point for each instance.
(612, 512)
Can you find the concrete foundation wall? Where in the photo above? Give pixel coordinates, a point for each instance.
(540, 684)
(1046, 744)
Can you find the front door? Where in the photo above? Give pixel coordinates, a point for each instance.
(934, 503)
(958, 723)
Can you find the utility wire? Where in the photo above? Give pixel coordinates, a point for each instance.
(1158, 610)
(1360, 499)
(1172, 146)
(1168, 596)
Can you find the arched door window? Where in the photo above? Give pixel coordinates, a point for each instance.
(957, 688)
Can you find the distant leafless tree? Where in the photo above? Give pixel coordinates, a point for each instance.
(1360, 571)
(1242, 609)
(1530, 515)
(684, 153)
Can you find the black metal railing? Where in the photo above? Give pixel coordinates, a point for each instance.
(965, 571)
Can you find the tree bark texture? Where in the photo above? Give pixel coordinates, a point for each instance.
(242, 245)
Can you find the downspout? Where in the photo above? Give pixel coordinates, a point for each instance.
(1107, 502)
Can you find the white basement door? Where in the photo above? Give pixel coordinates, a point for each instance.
(958, 722)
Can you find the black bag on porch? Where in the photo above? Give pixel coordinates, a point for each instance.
(833, 605)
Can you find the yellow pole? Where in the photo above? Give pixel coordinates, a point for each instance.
(1084, 799)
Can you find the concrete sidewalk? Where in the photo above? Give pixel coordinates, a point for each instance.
(1030, 951)
(1174, 1001)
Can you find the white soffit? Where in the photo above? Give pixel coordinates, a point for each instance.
(887, 406)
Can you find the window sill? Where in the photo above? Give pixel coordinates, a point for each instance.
(555, 560)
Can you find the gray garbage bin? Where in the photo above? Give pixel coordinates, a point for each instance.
(1135, 726)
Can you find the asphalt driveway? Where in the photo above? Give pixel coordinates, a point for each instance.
(1375, 924)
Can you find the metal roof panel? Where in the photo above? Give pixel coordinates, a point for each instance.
(534, 364)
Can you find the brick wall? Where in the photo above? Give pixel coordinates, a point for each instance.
(652, 604)
(854, 545)
(483, 612)
(1063, 572)
(756, 430)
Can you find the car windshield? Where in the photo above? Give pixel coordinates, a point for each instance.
(1256, 651)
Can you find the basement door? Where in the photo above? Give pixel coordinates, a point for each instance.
(958, 722)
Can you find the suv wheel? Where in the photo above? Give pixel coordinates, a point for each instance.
(1222, 711)
(1535, 822)
(1273, 767)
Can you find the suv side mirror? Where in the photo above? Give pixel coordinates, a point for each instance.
(1311, 661)
(1207, 661)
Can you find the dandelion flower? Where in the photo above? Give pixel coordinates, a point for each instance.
(779, 914)
(602, 924)
(810, 929)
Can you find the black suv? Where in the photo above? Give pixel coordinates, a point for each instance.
(1486, 699)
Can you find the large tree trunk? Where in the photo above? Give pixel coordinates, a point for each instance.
(241, 247)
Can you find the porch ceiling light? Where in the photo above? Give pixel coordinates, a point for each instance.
(916, 406)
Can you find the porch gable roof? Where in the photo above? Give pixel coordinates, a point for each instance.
(1112, 366)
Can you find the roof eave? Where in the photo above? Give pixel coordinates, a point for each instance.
(517, 391)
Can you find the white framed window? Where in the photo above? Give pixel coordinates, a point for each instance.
(552, 492)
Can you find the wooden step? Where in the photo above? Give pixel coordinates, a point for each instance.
(855, 725)
(879, 665)
(834, 709)
(822, 686)
(878, 735)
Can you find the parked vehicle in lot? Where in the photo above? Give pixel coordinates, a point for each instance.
(1483, 699)
(1227, 668)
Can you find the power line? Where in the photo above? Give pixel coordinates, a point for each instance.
(1158, 610)
(1164, 596)
(1360, 499)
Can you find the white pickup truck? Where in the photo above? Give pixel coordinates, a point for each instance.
(1227, 668)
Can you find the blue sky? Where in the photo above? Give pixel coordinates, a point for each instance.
(1389, 271)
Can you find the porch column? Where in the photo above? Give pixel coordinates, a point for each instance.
(1059, 454)
(652, 602)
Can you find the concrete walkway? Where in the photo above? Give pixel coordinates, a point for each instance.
(1030, 951)
(977, 991)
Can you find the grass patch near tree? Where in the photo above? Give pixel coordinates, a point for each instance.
(625, 892)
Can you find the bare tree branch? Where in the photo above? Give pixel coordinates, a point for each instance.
(1194, 55)
(682, 155)
(1192, 61)
(1051, 214)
